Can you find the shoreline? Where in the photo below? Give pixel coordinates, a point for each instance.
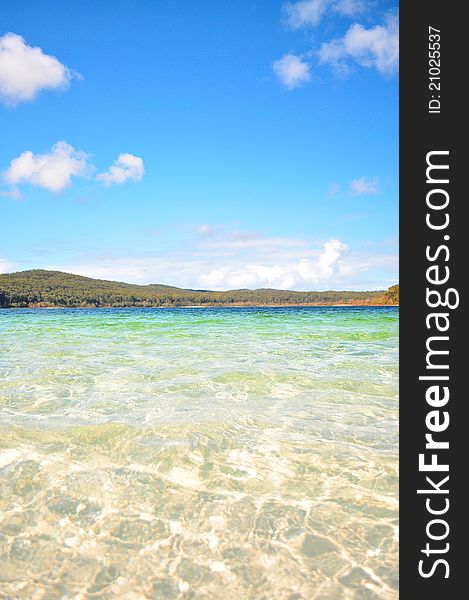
(316, 304)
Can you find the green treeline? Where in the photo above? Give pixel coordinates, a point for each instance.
(41, 288)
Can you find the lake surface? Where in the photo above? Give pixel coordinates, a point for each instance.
(199, 453)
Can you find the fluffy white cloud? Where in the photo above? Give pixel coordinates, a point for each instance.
(306, 272)
(361, 186)
(249, 276)
(309, 13)
(26, 70)
(335, 267)
(126, 167)
(225, 263)
(326, 265)
(377, 47)
(291, 71)
(52, 170)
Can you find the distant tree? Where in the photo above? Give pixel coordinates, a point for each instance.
(54, 288)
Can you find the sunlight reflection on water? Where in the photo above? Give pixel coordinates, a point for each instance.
(205, 453)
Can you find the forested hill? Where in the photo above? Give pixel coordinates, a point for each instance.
(40, 288)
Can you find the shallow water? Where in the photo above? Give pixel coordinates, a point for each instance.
(199, 453)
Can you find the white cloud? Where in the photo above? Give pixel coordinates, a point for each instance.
(327, 263)
(304, 13)
(224, 263)
(349, 8)
(377, 47)
(6, 266)
(52, 170)
(361, 186)
(296, 264)
(291, 71)
(26, 70)
(249, 276)
(309, 13)
(126, 167)
(306, 272)
(206, 231)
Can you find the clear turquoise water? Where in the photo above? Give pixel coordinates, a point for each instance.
(199, 453)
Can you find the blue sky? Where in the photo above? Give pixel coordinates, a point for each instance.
(218, 144)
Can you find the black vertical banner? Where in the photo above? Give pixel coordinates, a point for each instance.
(433, 327)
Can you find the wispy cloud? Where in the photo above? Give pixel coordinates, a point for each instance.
(13, 193)
(304, 13)
(309, 13)
(245, 237)
(127, 167)
(292, 71)
(26, 70)
(373, 48)
(225, 237)
(52, 170)
(7, 266)
(363, 185)
(350, 8)
(206, 231)
(333, 190)
(247, 241)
